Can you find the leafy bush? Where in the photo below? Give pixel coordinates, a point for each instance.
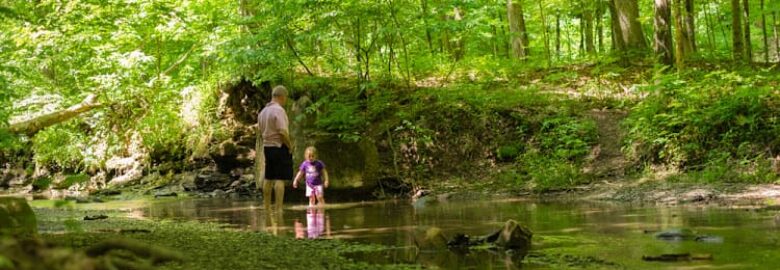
(567, 137)
(508, 152)
(551, 173)
(689, 122)
(71, 180)
(59, 146)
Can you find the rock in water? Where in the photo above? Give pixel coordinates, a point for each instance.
(678, 257)
(16, 217)
(514, 236)
(431, 238)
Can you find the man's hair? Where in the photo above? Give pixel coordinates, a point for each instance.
(279, 91)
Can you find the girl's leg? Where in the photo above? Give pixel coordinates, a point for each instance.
(320, 199)
(312, 200)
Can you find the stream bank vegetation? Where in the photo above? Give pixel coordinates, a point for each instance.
(508, 96)
(98, 95)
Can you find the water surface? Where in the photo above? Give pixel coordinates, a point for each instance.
(597, 234)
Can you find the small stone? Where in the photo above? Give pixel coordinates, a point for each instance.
(218, 193)
(95, 217)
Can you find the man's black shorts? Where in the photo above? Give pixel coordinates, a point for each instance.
(278, 163)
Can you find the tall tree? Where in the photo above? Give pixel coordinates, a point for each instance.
(746, 32)
(736, 31)
(617, 37)
(629, 34)
(428, 36)
(545, 35)
(587, 28)
(517, 28)
(599, 26)
(683, 42)
(777, 35)
(689, 25)
(662, 44)
(764, 32)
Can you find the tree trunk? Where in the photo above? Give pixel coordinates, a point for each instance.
(690, 27)
(587, 19)
(428, 36)
(545, 35)
(517, 28)
(748, 43)
(764, 32)
(777, 35)
(617, 37)
(459, 44)
(736, 31)
(32, 126)
(599, 26)
(629, 27)
(558, 35)
(663, 32)
(683, 46)
(710, 27)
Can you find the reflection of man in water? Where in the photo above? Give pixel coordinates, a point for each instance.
(273, 222)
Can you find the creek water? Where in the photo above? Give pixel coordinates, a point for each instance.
(567, 234)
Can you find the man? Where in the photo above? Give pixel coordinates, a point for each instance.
(277, 147)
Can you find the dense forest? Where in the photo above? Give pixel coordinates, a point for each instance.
(96, 90)
(559, 134)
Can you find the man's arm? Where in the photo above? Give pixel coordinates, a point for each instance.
(286, 139)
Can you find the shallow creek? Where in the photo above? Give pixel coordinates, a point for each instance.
(568, 233)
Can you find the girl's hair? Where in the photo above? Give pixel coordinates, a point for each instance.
(311, 150)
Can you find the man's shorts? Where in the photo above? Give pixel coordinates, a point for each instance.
(278, 163)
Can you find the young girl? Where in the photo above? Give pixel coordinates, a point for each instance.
(316, 176)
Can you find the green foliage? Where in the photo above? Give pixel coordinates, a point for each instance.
(567, 138)
(691, 119)
(42, 183)
(60, 146)
(509, 152)
(726, 170)
(549, 173)
(71, 180)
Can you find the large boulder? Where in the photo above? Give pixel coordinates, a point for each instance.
(230, 155)
(430, 238)
(514, 236)
(352, 164)
(207, 180)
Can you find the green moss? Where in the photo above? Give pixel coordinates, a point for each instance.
(71, 180)
(208, 245)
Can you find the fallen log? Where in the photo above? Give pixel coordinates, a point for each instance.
(32, 126)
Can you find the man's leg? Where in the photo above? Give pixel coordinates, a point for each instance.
(267, 190)
(279, 193)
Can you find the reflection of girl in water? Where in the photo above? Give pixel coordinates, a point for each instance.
(315, 223)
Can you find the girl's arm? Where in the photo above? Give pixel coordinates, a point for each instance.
(297, 176)
(325, 176)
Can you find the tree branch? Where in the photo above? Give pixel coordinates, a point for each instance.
(34, 125)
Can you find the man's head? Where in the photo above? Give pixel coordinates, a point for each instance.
(279, 94)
